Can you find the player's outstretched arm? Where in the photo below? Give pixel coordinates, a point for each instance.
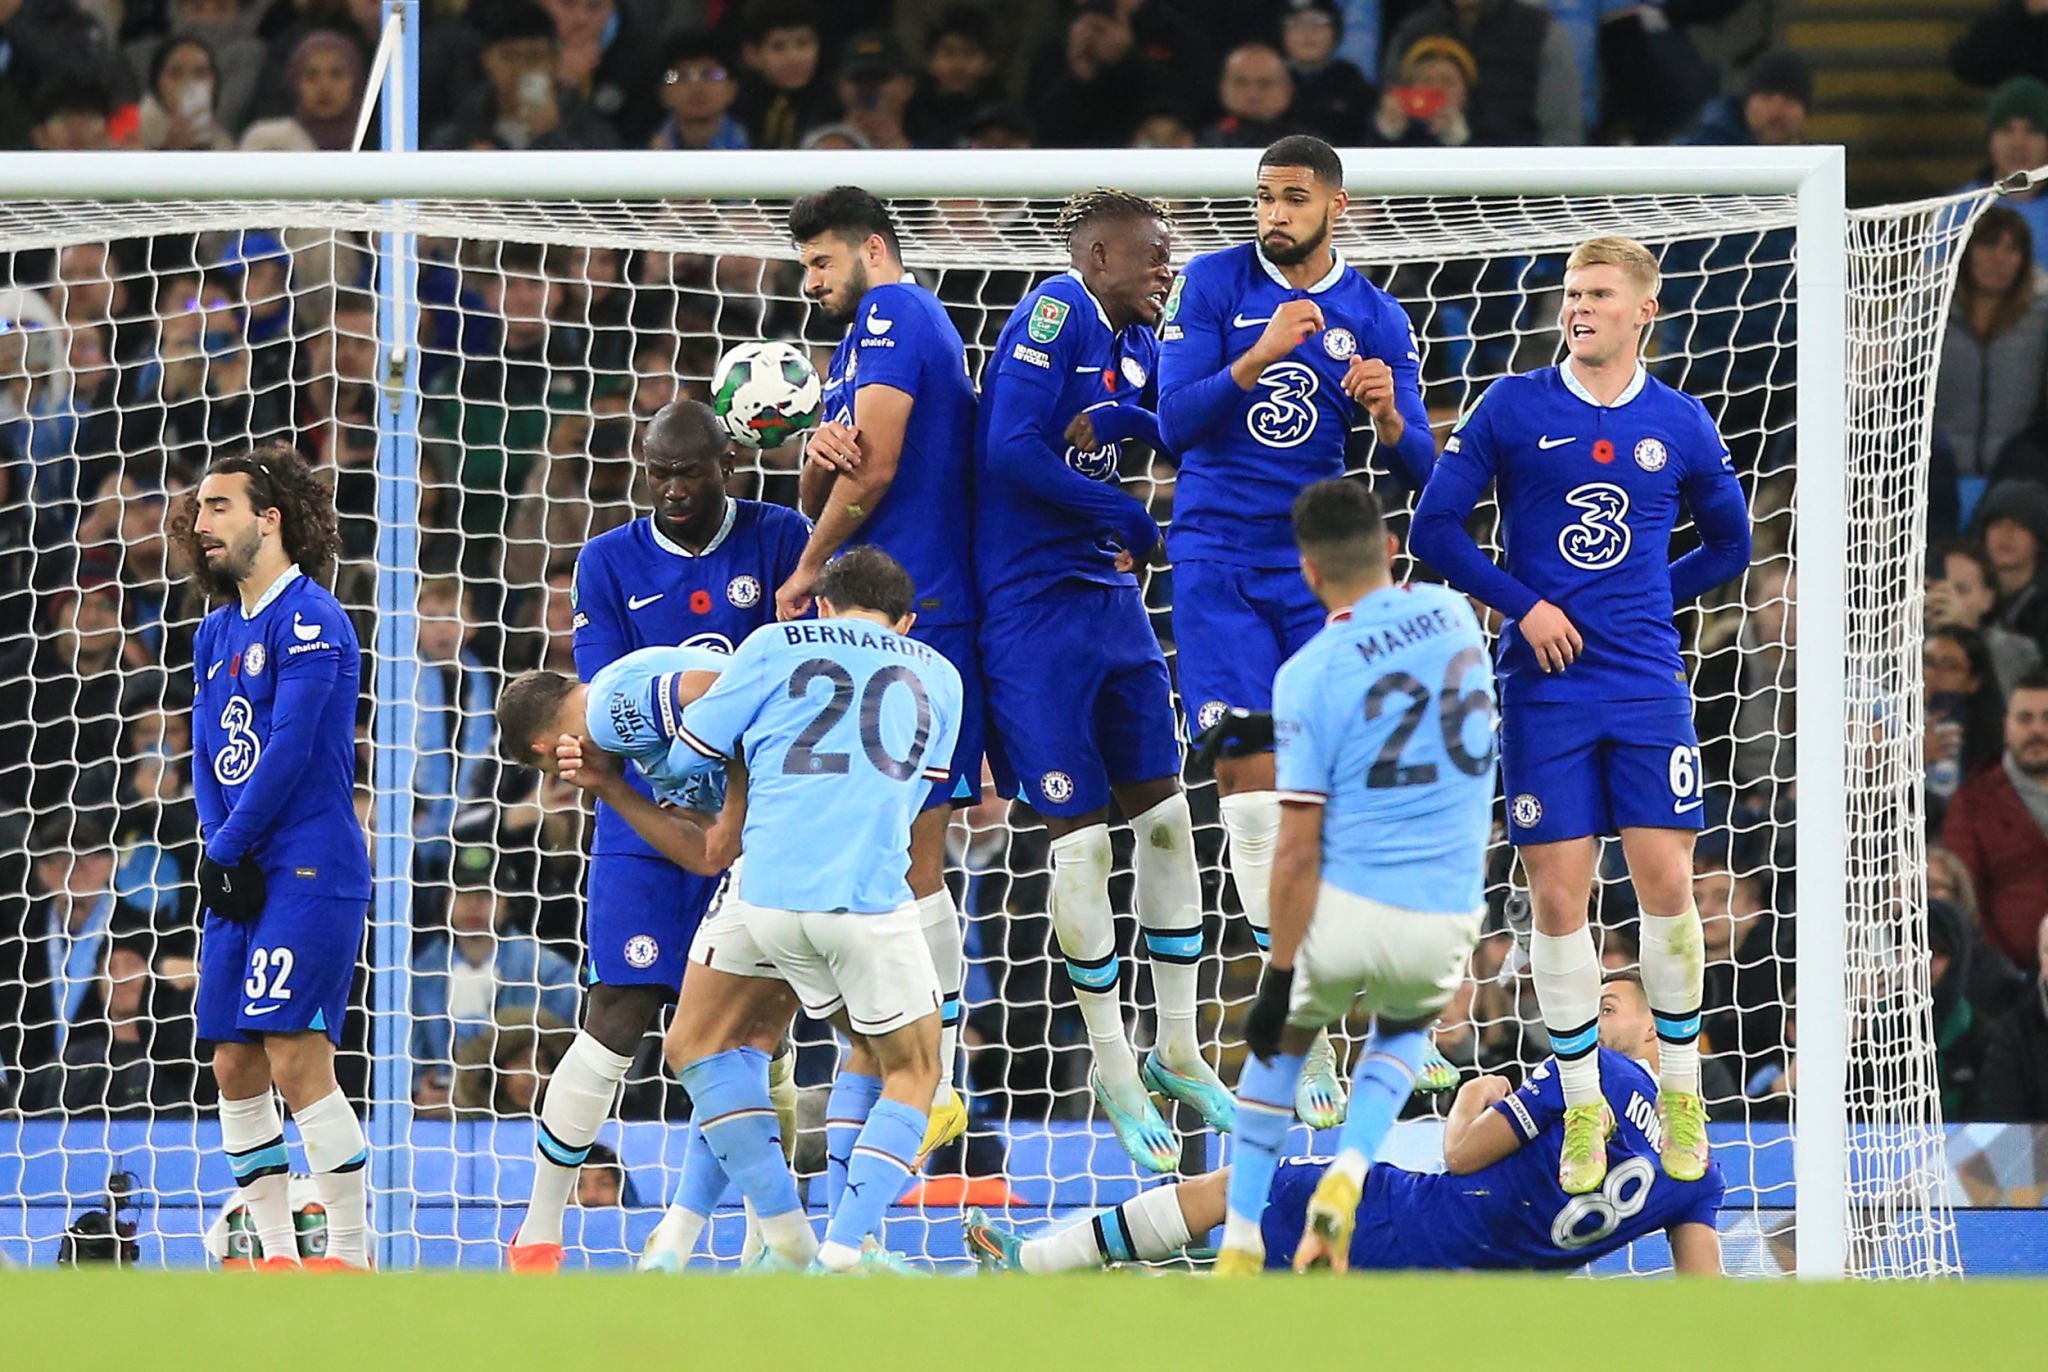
(303, 684)
(1475, 1134)
(1695, 1250)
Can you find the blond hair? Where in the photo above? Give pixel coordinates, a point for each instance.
(1635, 260)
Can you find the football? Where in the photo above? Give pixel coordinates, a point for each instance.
(766, 394)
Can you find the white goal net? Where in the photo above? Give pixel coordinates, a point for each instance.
(139, 339)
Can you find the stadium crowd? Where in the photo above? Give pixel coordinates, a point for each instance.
(124, 366)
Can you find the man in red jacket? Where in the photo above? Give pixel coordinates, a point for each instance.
(1998, 825)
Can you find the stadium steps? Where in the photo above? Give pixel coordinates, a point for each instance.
(1883, 89)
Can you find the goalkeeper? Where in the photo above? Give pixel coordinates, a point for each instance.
(1497, 1205)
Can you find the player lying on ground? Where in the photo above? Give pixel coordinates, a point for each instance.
(733, 1016)
(1497, 1205)
(891, 468)
(1384, 725)
(284, 876)
(1080, 703)
(698, 567)
(843, 724)
(1269, 353)
(1594, 461)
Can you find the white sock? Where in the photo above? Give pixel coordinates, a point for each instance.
(790, 1237)
(1566, 971)
(337, 1155)
(1252, 819)
(579, 1100)
(1243, 1234)
(782, 1095)
(247, 1126)
(679, 1230)
(1674, 954)
(1145, 1228)
(1169, 899)
(942, 936)
(1086, 928)
(1351, 1163)
(751, 1242)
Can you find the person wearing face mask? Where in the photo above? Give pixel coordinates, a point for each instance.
(235, 55)
(519, 104)
(178, 107)
(2012, 1084)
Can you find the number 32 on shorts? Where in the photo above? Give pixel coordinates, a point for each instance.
(1688, 779)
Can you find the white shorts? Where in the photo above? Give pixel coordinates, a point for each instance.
(877, 966)
(723, 942)
(1406, 964)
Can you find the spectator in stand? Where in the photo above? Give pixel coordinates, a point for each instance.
(520, 104)
(2012, 1083)
(71, 116)
(60, 725)
(1965, 713)
(1427, 109)
(484, 966)
(1988, 388)
(833, 138)
(49, 963)
(602, 1183)
(540, 834)
(875, 86)
(503, 1070)
(2012, 521)
(1332, 98)
(1972, 985)
(326, 76)
(959, 80)
(608, 56)
(1090, 85)
(1163, 127)
(1961, 592)
(1009, 32)
(180, 106)
(785, 93)
(1998, 825)
(452, 721)
(1747, 675)
(2010, 39)
(1749, 947)
(697, 90)
(1255, 91)
(228, 29)
(1001, 126)
(47, 40)
(131, 1049)
(2016, 140)
(1771, 111)
(1527, 89)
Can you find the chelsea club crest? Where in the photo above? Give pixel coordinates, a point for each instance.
(1340, 344)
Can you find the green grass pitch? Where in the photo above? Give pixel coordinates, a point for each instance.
(449, 1321)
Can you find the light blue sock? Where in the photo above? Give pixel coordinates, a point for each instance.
(1380, 1085)
(1265, 1112)
(877, 1172)
(846, 1110)
(730, 1090)
(703, 1180)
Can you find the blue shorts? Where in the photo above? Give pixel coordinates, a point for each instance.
(955, 642)
(642, 913)
(1232, 628)
(1570, 771)
(1078, 697)
(1375, 1242)
(287, 971)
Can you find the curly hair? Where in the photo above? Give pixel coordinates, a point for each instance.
(279, 479)
(1105, 203)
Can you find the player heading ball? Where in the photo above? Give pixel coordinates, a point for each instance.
(284, 878)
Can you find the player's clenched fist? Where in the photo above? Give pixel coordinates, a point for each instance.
(1551, 636)
(1370, 384)
(1293, 324)
(834, 446)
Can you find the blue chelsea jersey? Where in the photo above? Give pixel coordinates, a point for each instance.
(274, 737)
(1245, 458)
(1513, 1214)
(1590, 495)
(1386, 719)
(632, 711)
(844, 726)
(901, 337)
(636, 588)
(1045, 511)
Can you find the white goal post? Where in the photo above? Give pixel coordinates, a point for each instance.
(1869, 293)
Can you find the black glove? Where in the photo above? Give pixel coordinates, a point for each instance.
(1267, 1020)
(234, 893)
(1240, 733)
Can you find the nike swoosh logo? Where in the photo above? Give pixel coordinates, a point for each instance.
(304, 632)
(1547, 442)
(1686, 807)
(641, 602)
(1240, 322)
(261, 1009)
(211, 671)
